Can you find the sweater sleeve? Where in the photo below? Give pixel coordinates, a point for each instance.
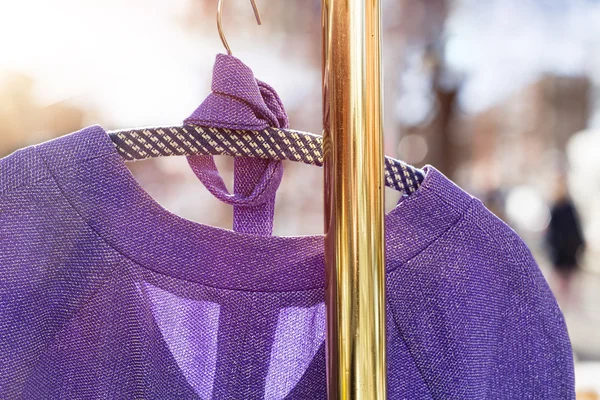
(478, 318)
(50, 264)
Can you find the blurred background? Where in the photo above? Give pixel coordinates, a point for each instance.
(503, 96)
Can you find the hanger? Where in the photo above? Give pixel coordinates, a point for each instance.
(271, 143)
(220, 25)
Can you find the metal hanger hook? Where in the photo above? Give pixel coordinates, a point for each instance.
(220, 25)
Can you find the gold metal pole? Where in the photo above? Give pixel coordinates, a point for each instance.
(354, 211)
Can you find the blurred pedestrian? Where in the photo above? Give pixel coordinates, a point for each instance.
(564, 238)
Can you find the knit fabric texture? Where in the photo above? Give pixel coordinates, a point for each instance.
(107, 295)
(239, 101)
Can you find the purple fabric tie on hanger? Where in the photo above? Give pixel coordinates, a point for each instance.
(239, 101)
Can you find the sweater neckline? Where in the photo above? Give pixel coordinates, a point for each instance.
(100, 187)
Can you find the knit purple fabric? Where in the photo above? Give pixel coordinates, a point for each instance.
(107, 295)
(239, 101)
